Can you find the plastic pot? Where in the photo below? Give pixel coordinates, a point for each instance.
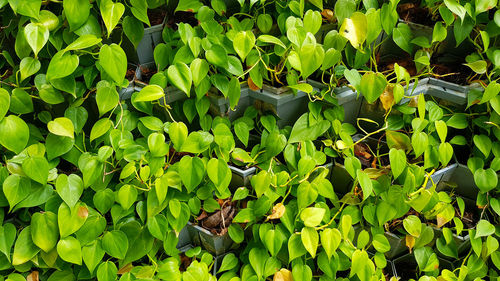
(406, 262)
(152, 37)
(282, 102)
(241, 177)
(346, 97)
(215, 244)
(220, 105)
(184, 238)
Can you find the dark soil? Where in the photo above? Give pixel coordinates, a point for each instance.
(180, 16)
(458, 74)
(407, 270)
(413, 12)
(156, 16)
(147, 73)
(185, 262)
(66, 167)
(130, 75)
(218, 223)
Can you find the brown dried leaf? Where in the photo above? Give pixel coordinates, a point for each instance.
(126, 268)
(252, 85)
(387, 98)
(278, 212)
(33, 276)
(283, 275)
(328, 15)
(83, 212)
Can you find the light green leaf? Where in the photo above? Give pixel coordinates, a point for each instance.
(310, 239)
(24, 249)
(77, 12)
(44, 230)
(62, 126)
(69, 250)
(243, 43)
(180, 76)
(113, 60)
(111, 14)
(355, 29)
(14, 133)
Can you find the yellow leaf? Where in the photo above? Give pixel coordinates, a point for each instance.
(354, 29)
(278, 211)
(283, 275)
(410, 242)
(387, 98)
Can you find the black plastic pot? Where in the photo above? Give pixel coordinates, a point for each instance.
(241, 177)
(152, 37)
(215, 244)
(406, 263)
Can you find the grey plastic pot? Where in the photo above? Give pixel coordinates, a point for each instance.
(408, 260)
(214, 244)
(346, 97)
(282, 102)
(220, 105)
(152, 37)
(241, 177)
(184, 238)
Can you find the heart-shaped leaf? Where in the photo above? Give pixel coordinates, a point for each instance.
(180, 76)
(372, 86)
(69, 188)
(486, 180)
(37, 36)
(243, 43)
(111, 14)
(397, 158)
(113, 60)
(14, 133)
(62, 126)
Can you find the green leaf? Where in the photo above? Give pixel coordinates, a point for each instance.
(310, 239)
(62, 126)
(303, 131)
(197, 142)
(413, 225)
(483, 143)
(261, 182)
(92, 254)
(372, 86)
(490, 92)
(36, 168)
(127, 195)
(69, 188)
(439, 33)
(14, 133)
(243, 43)
(366, 183)
(24, 249)
(29, 8)
(62, 65)
(7, 238)
(4, 102)
(107, 271)
(69, 250)
(397, 158)
(191, 170)
(486, 180)
(478, 66)
(217, 56)
(37, 36)
(271, 40)
(229, 262)
(149, 93)
(133, 29)
(312, 216)
(16, 188)
(77, 12)
(83, 42)
(219, 173)
(100, 128)
(115, 244)
(111, 14)
(113, 60)
(311, 58)
(258, 257)
(28, 67)
(456, 8)
(441, 129)
(484, 228)
(355, 29)
(330, 240)
(70, 220)
(21, 102)
(402, 36)
(180, 76)
(106, 98)
(44, 230)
